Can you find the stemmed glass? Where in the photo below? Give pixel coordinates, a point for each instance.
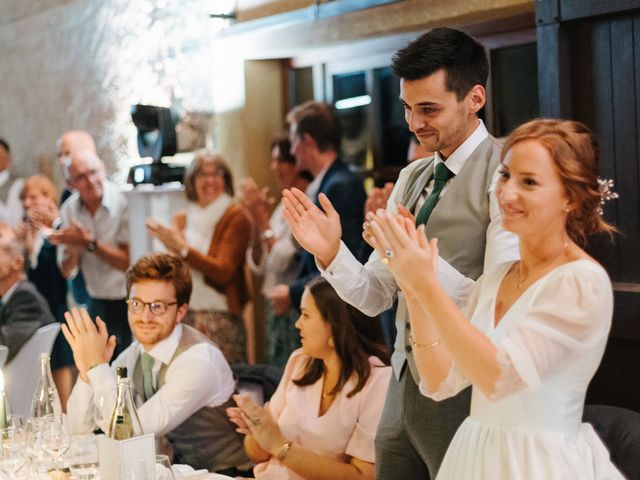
(15, 421)
(12, 456)
(84, 465)
(56, 439)
(33, 441)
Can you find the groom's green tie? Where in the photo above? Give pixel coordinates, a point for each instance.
(441, 175)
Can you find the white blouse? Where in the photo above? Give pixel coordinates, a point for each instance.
(201, 223)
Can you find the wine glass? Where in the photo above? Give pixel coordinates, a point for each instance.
(85, 457)
(12, 456)
(15, 421)
(56, 438)
(33, 442)
(163, 468)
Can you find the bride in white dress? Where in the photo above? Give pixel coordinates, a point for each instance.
(538, 326)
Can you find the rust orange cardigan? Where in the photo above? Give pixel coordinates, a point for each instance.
(223, 265)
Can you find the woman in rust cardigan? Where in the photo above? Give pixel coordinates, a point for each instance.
(212, 235)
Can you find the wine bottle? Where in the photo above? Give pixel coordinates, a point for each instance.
(45, 400)
(121, 372)
(125, 422)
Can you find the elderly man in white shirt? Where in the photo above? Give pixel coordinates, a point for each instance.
(182, 381)
(94, 239)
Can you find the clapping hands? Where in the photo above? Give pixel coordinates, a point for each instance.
(257, 202)
(317, 231)
(169, 235)
(257, 421)
(404, 248)
(90, 342)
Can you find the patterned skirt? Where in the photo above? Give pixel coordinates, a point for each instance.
(282, 336)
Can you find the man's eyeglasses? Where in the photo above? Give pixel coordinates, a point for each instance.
(157, 307)
(85, 176)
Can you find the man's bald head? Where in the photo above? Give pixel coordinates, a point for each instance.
(75, 141)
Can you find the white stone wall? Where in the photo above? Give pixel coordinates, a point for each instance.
(81, 64)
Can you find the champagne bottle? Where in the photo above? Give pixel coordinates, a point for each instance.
(125, 422)
(45, 400)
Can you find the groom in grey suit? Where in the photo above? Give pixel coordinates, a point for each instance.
(442, 88)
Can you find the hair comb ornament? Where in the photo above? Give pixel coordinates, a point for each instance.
(605, 185)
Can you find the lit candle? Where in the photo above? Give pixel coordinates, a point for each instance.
(3, 397)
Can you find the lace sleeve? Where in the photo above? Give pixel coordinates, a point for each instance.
(455, 382)
(509, 381)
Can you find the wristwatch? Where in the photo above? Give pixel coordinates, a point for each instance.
(92, 245)
(267, 234)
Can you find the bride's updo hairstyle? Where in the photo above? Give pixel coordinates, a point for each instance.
(575, 153)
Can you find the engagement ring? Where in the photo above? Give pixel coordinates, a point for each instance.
(389, 253)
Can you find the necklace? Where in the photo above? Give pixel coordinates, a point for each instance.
(523, 278)
(324, 394)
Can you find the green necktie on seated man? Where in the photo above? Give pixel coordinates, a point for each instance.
(441, 175)
(147, 375)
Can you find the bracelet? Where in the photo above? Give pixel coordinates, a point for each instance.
(284, 449)
(423, 346)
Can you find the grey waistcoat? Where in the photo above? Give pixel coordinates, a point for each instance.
(459, 221)
(207, 439)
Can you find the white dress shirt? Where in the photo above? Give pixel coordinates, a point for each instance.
(199, 377)
(279, 264)
(109, 225)
(11, 211)
(314, 187)
(372, 287)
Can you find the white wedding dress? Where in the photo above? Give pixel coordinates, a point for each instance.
(550, 343)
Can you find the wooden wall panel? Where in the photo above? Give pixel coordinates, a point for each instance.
(598, 54)
(624, 93)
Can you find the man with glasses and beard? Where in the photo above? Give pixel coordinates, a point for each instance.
(182, 381)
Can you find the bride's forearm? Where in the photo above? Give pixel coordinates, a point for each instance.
(469, 348)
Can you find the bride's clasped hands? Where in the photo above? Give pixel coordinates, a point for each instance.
(403, 247)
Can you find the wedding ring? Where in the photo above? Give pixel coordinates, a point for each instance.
(385, 261)
(389, 253)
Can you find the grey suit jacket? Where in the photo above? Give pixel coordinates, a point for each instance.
(25, 312)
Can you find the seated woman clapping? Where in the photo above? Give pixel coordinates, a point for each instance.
(322, 419)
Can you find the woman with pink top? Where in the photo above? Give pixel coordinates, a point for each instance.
(321, 421)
